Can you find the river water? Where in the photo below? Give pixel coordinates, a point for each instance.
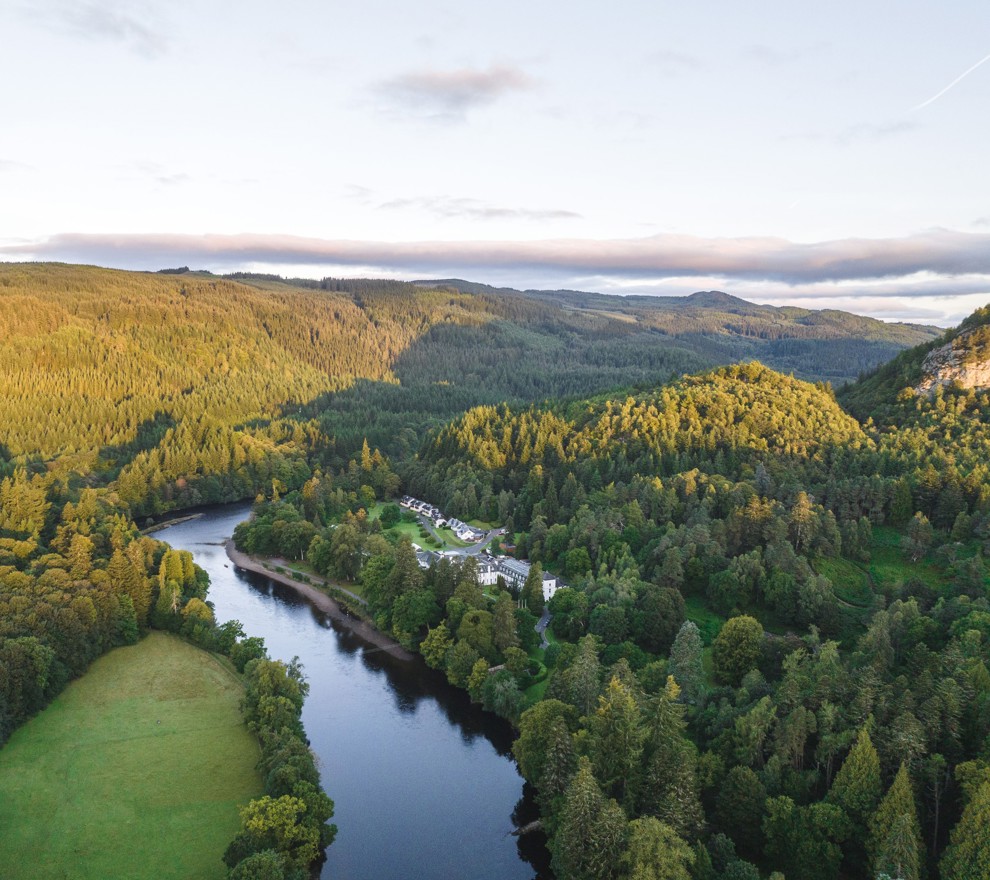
(424, 784)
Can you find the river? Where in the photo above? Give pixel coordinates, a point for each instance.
(424, 784)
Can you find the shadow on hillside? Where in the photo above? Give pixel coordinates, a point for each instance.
(148, 435)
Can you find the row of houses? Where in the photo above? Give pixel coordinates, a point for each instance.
(463, 531)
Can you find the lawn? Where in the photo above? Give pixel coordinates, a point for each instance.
(410, 530)
(451, 540)
(136, 771)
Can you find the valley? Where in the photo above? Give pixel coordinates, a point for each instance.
(767, 653)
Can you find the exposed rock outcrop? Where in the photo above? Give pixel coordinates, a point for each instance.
(964, 360)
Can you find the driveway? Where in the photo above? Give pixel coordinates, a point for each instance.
(473, 550)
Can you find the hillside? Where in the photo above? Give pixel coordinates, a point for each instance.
(187, 388)
(958, 358)
(760, 589)
(747, 414)
(765, 606)
(931, 405)
(815, 345)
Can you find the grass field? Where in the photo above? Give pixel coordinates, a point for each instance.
(136, 771)
(890, 568)
(849, 581)
(411, 531)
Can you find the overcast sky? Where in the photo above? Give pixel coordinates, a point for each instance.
(827, 155)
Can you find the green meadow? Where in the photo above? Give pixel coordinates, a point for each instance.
(136, 771)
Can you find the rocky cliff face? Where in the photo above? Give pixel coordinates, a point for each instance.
(966, 360)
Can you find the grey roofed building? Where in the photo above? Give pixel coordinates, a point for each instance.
(515, 572)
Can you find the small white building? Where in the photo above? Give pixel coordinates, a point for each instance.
(487, 572)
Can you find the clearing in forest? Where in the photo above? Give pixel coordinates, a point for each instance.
(136, 771)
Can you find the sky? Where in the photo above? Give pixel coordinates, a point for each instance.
(830, 155)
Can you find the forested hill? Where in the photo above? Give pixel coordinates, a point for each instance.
(960, 358)
(741, 414)
(828, 344)
(815, 589)
(183, 388)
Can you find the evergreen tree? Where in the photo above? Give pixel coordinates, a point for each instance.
(585, 676)
(559, 764)
(656, 852)
(740, 806)
(968, 855)
(895, 836)
(616, 741)
(686, 661)
(918, 538)
(804, 841)
(591, 831)
(504, 623)
(857, 788)
(532, 591)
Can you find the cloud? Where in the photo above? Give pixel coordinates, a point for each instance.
(939, 275)
(9, 165)
(105, 20)
(940, 253)
(672, 63)
(861, 131)
(474, 209)
(160, 174)
(448, 95)
(875, 131)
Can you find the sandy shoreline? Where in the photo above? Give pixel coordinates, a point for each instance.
(322, 601)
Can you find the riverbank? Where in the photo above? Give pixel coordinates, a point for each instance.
(322, 601)
(170, 522)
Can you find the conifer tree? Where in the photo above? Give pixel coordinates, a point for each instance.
(585, 676)
(857, 787)
(504, 623)
(532, 591)
(968, 855)
(671, 791)
(686, 661)
(617, 740)
(590, 835)
(558, 765)
(656, 852)
(895, 836)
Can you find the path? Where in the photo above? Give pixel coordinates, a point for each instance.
(541, 628)
(322, 601)
(284, 563)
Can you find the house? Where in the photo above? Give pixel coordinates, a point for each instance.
(515, 572)
(463, 531)
(426, 558)
(487, 572)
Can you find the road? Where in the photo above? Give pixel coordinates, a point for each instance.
(473, 550)
(541, 628)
